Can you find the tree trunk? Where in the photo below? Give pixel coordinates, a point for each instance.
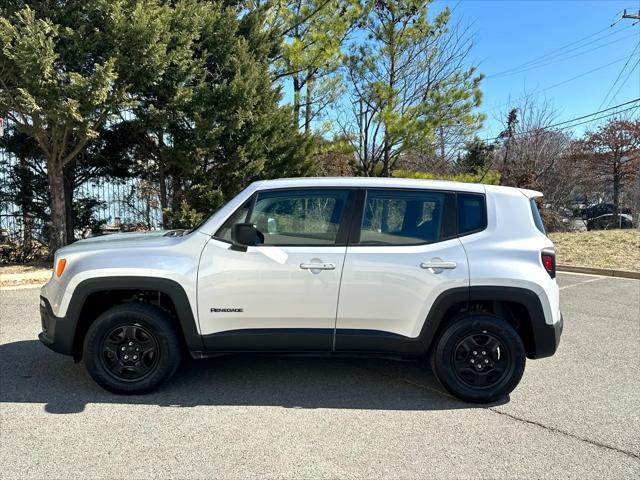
(296, 100)
(58, 222)
(176, 192)
(26, 201)
(69, 171)
(386, 161)
(162, 179)
(616, 193)
(163, 193)
(308, 104)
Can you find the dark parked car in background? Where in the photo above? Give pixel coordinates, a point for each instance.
(600, 209)
(607, 221)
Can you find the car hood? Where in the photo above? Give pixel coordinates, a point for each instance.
(157, 238)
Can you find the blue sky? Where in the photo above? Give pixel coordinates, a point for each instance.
(510, 33)
(561, 40)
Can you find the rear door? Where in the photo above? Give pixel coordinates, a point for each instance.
(282, 294)
(402, 257)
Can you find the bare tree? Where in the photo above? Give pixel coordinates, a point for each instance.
(612, 153)
(535, 156)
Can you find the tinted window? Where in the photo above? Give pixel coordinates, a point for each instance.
(401, 217)
(537, 219)
(472, 213)
(299, 217)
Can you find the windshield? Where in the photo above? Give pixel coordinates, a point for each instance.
(205, 219)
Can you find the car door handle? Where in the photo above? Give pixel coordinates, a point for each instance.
(438, 266)
(318, 266)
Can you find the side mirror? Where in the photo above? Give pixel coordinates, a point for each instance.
(243, 235)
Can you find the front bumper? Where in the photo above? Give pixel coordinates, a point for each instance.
(57, 333)
(547, 338)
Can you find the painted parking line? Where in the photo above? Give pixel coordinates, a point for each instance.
(591, 280)
(580, 274)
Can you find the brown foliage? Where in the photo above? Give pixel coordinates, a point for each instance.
(335, 164)
(612, 154)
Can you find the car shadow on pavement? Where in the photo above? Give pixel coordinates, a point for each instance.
(29, 373)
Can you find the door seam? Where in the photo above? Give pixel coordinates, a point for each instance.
(335, 322)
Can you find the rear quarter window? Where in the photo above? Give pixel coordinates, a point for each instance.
(537, 219)
(472, 213)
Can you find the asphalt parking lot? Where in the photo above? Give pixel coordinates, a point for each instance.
(576, 414)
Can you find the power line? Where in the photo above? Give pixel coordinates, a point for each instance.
(582, 75)
(601, 67)
(559, 58)
(625, 80)
(579, 118)
(600, 118)
(553, 51)
(618, 77)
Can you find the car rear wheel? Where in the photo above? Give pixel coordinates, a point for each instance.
(479, 358)
(132, 348)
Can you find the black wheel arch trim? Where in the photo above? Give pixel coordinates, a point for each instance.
(66, 339)
(545, 337)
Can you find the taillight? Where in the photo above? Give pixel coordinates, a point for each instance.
(549, 262)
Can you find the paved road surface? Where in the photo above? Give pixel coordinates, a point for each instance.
(576, 414)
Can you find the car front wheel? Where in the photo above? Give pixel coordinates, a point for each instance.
(479, 358)
(132, 348)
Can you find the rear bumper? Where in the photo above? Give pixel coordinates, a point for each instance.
(57, 333)
(547, 338)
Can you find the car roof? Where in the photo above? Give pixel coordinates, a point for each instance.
(375, 182)
(380, 182)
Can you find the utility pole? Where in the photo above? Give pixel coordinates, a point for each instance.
(632, 16)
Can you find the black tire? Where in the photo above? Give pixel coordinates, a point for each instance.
(146, 335)
(459, 349)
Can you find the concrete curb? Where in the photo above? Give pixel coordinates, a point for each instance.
(599, 271)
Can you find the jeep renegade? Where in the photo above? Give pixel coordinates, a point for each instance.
(461, 275)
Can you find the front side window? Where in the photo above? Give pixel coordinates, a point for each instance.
(402, 217)
(299, 217)
(239, 216)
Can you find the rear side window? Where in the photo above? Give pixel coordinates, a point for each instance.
(402, 217)
(472, 213)
(537, 219)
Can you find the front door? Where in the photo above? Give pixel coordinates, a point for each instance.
(280, 295)
(405, 254)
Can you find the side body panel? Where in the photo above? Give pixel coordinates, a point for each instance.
(265, 288)
(508, 252)
(384, 288)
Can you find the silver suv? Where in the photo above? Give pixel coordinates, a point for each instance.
(460, 274)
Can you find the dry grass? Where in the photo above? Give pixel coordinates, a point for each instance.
(613, 249)
(29, 274)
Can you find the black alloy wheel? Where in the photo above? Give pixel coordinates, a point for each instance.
(480, 360)
(478, 357)
(129, 352)
(132, 348)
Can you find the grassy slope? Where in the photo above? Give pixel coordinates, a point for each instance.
(615, 249)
